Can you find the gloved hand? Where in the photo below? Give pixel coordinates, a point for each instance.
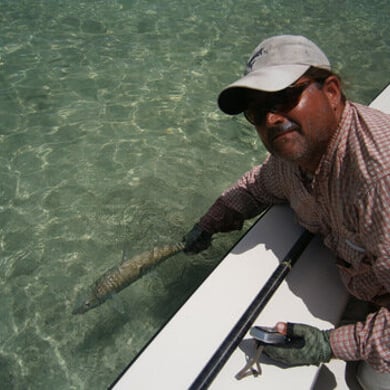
(307, 345)
(196, 240)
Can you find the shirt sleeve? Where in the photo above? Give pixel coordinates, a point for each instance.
(251, 194)
(369, 341)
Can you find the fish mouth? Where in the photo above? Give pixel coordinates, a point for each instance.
(278, 131)
(85, 306)
(82, 303)
(78, 310)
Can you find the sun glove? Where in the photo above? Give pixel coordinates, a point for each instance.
(196, 240)
(307, 345)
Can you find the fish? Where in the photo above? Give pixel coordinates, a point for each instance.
(121, 276)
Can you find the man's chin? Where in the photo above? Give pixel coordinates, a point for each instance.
(289, 150)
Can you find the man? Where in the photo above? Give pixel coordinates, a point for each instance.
(330, 160)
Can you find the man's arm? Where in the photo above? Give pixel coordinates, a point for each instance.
(248, 197)
(369, 341)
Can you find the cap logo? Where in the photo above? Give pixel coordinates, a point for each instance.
(259, 53)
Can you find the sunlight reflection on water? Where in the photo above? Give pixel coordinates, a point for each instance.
(110, 136)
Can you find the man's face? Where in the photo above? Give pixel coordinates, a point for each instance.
(298, 128)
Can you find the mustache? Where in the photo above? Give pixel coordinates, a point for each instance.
(284, 127)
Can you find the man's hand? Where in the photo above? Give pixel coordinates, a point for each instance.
(196, 240)
(307, 345)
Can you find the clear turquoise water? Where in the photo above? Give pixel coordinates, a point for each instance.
(110, 136)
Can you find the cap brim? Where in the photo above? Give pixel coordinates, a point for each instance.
(234, 98)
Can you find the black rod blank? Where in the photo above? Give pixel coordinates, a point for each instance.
(233, 339)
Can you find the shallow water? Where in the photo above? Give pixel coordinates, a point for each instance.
(110, 137)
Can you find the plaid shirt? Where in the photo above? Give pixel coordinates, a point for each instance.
(347, 202)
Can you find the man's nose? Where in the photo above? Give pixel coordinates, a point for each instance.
(273, 118)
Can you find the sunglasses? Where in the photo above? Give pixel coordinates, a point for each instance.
(279, 101)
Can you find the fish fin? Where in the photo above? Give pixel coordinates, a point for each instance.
(117, 304)
(125, 254)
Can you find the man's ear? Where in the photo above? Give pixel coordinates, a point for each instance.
(332, 89)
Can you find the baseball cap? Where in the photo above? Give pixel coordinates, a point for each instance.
(276, 63)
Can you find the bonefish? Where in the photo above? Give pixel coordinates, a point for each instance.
(118, 277)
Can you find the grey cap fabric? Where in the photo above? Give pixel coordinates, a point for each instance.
(276, 63)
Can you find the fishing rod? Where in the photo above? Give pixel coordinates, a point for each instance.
(233, 339)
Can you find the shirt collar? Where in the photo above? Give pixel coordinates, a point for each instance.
(336, 143)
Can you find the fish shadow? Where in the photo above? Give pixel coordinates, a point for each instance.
(106, 330)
